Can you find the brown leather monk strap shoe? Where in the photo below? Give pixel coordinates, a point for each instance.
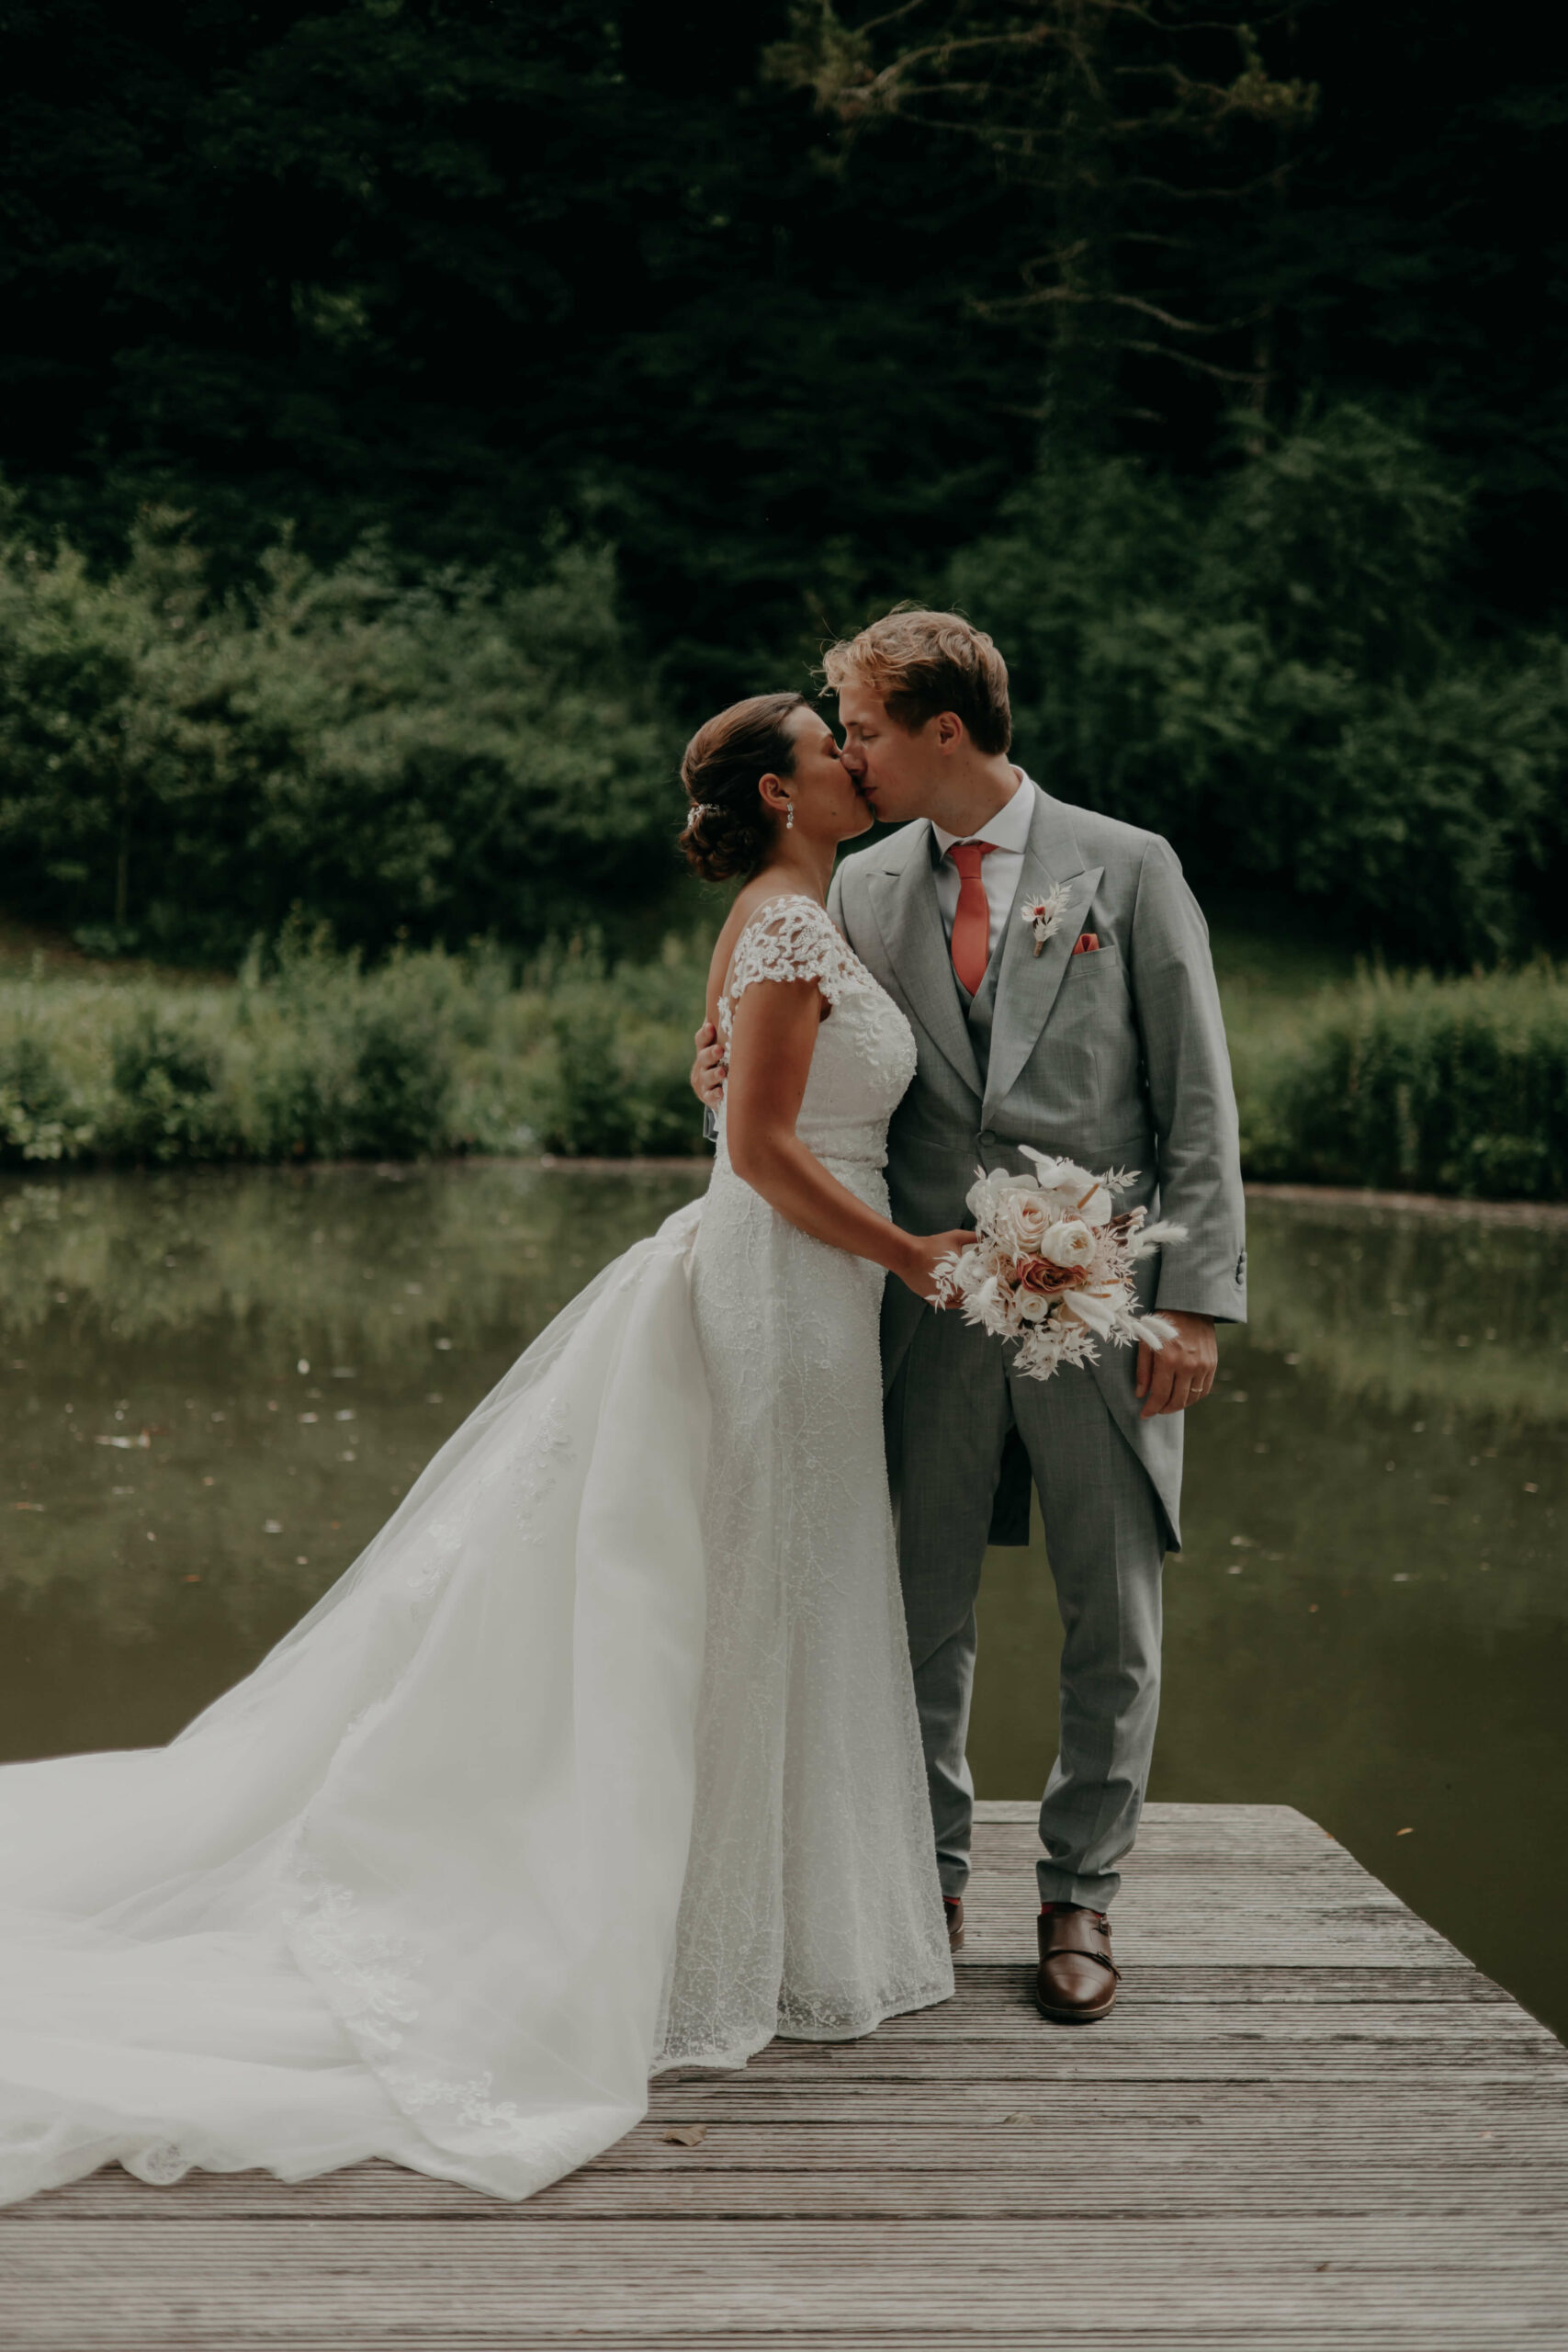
(954, 1906)
(1077, 1978)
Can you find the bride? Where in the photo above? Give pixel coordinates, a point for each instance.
(604, 1756)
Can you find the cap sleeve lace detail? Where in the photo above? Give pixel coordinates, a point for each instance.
(788, 939)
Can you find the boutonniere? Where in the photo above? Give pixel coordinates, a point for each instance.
(1044, 916)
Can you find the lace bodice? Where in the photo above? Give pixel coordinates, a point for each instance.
(864, 1056)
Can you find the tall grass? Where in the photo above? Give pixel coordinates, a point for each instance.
(311, 1056)
(1406, 1081)
(1400, 1082)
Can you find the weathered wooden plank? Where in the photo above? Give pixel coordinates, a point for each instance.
(1015, 1852)
(1147, 2095)
(874, 2191)
(1264, 1829)
(1329, 1876)
(1082, 2075)
(956, 2024)
(1392, 2333)
(644, 2282)
(1317, 2164)
(1328, 1935)
(1256, 2155)
(985, 1985)
(1051, 2072)
(1194, 1847)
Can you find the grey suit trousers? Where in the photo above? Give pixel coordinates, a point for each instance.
(949, 1411)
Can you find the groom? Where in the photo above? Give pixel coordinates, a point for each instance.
(1107, 1046)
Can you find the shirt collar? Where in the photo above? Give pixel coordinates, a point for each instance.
(1008, 829)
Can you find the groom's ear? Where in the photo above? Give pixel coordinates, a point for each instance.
(948, 730)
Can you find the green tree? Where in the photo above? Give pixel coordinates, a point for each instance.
(438, 758)
(1282, 673)
(1122, 129)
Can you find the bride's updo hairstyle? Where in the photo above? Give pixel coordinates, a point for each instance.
(728, 829)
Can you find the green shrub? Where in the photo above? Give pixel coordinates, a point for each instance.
(617, 1082)
(41, 1118)
(441, 759)
(166, 1103)
(1441, 1085)
(311, 1056)
(343, 1063)
(1410, 1082)
(619, 1086)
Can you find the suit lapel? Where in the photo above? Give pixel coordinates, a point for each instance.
(1027, 983)
(903, 899)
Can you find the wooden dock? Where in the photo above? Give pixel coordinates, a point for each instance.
(1310, 2123)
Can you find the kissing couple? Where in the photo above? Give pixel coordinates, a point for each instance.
(636, 1735)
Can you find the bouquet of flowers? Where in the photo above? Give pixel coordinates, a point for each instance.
(1051, 1264)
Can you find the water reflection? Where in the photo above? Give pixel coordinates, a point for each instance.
(218, 1384)
(216, 1387)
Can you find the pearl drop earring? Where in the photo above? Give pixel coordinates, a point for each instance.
(789, 816)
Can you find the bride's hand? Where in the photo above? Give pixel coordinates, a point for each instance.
(925, 1249)
(707, 1071)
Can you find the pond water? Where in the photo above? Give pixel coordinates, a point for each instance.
(216, 1386)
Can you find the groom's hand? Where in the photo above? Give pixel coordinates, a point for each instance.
(1181, 1372)
(707, 1071)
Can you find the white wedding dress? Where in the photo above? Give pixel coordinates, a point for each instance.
(603, 1757)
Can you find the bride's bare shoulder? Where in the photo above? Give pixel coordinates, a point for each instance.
(744, 905)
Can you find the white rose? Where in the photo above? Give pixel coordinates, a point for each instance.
(1033, 1219)
(1069, 1242)
(989, 1193)
(1018, 1216)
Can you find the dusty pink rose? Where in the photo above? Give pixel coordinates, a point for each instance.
(1045, 1280)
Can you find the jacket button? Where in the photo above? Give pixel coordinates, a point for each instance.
(985, 1138)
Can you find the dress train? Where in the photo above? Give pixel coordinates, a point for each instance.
(411, 1889)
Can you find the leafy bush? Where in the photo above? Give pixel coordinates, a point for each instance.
(619, 1087)
(311, 1056)
(41, 1118)
(1444, 1085)
(1413, 1082)
(165, 1104)
(437, 759)
(1271, 670)
(342, 1063)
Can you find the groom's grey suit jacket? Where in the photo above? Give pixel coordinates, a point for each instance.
(1115, 1058)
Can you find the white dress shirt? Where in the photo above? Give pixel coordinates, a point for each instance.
(1001, 872)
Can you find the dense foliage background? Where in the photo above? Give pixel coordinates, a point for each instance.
(420, 413)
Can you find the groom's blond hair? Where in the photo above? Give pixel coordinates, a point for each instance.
(924, 663)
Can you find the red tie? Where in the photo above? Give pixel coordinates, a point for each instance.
(972, 924)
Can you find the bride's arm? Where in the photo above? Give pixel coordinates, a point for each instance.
(770, 1060)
